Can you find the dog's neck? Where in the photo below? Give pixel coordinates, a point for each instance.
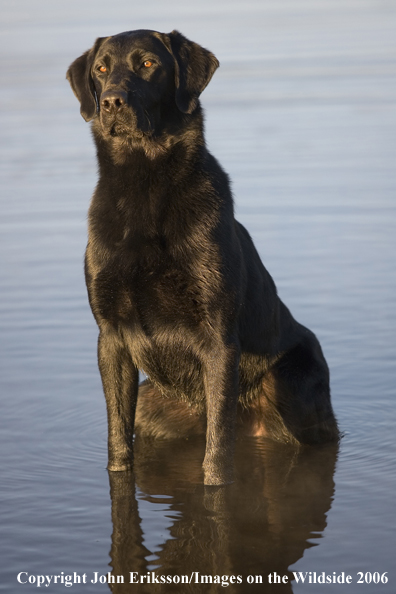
(139, 191)
(137, 153)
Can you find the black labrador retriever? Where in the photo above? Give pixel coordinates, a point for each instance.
(174, 281)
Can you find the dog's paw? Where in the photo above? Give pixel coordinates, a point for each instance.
(217, 477)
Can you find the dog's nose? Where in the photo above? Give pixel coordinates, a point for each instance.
(113, 100)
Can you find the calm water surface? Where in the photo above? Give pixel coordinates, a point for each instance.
(302, 115)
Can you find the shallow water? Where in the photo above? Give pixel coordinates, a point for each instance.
(302, 115)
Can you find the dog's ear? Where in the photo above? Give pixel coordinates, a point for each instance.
(194, 67)
(80, 79)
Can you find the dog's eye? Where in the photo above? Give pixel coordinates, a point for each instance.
(102, 69)
(147, 63)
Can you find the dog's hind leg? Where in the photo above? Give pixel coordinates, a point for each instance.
(297, 395)
(167, 418)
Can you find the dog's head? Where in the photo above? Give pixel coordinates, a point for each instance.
(137, 81)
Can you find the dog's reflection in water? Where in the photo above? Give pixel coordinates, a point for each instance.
(259, 525)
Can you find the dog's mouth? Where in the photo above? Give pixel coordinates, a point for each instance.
(118, 130)
(127, 124)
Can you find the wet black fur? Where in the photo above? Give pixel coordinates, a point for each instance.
(175, 283)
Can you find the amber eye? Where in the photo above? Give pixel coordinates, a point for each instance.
(147, 63)
(103, 69)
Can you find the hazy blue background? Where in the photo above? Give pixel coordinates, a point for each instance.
(302, 115)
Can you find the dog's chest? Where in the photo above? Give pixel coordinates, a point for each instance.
(161, 309)
(149, 287)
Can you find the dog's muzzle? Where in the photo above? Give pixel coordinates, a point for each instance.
(119, 118)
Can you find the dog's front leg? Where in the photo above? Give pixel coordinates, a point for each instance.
(221, 386)
(120, 379)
